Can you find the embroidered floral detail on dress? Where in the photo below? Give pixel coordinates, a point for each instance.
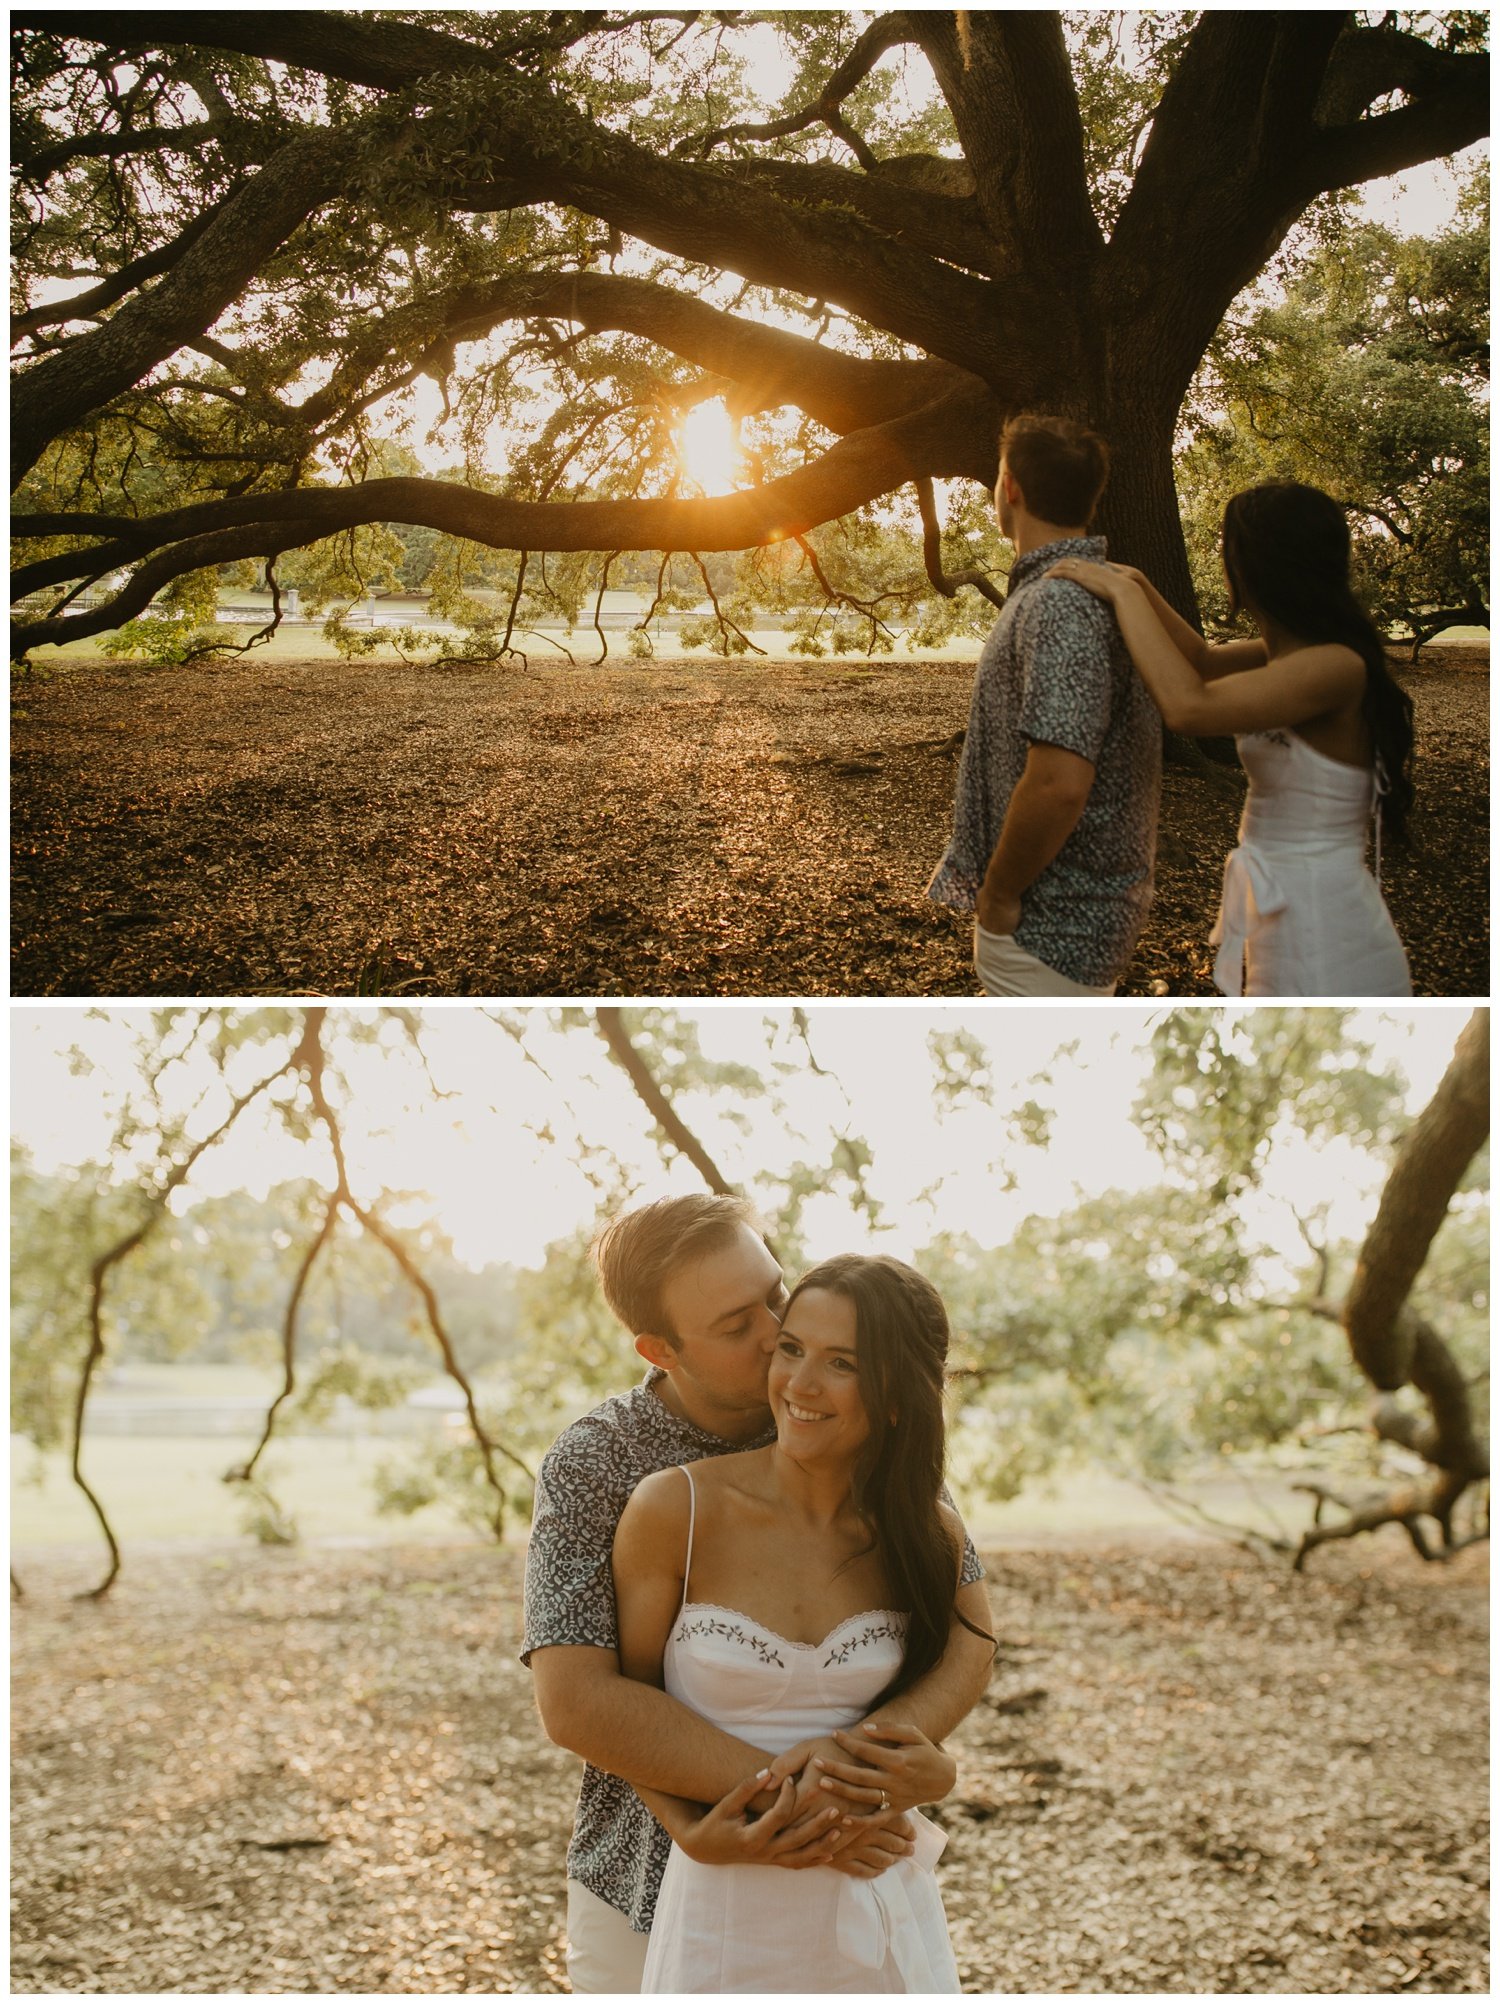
(1272, 737)
(877, 1631)
(732, 1631)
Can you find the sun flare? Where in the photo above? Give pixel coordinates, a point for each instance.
(708, 448)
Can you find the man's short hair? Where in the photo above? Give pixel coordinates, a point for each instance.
(1059, 465)
(638, 1253)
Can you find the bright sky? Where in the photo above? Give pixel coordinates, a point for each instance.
(502, 1188)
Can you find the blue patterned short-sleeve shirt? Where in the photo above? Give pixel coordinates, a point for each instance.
(619, 1850)
(1055, 671)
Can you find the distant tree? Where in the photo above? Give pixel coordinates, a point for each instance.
(61, 1223)
(1371, 380)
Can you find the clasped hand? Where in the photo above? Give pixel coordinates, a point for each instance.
(838, 1802)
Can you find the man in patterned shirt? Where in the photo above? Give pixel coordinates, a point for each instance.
(1054, 822)
(701, 1294)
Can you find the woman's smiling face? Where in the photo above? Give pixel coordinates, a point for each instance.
(814, 1381)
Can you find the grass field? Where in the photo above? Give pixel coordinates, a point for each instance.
(169, 1489)
(166, 1490)
(306, 643)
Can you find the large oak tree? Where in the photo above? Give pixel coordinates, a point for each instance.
(232, 248)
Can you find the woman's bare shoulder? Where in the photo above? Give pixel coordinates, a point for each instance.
(658, 1504)
(667, 1493)
(720, 1474)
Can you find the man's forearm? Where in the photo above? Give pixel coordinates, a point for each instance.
(651, 1740)
(1038, 821)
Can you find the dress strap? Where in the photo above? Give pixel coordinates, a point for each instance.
(687, 1564)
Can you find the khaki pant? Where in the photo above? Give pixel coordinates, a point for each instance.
(605, 1954)
(1007, 969)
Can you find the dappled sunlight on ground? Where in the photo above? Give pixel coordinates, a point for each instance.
(686, 828)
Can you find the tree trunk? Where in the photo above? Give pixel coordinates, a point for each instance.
(1139, 512)
(1432, 1160)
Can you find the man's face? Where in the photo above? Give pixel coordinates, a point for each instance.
(725, 1308)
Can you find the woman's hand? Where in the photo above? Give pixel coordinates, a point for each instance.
(1106, 581)
(725, 1835)
(890, 1767)
(866, 1848)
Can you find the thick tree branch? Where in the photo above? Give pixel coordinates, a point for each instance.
(1432, 1159)
(53, 395)
(1442, 121)
(380, 53)
(39, 166)
(1391, 1343)
(1367, 64)
(1009, 84)
(98, 298)
(769, 365)
(224, 546)
(954, 436)
(544, 149)
(920, 198)
(1237, 150)
(1435, 1497)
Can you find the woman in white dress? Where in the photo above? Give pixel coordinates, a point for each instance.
(784, 1593)
(1324, 734)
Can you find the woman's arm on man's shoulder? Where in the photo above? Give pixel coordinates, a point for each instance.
(1210, 660)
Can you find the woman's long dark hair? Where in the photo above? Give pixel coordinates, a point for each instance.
(1286, 554)
(902, 1332)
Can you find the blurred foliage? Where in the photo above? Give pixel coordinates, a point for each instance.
(1149, 1331)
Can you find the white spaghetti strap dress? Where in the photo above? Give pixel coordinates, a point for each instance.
(1301, 914)
(726, 1929)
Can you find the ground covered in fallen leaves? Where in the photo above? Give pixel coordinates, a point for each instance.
(305, 1771)
(678, 828)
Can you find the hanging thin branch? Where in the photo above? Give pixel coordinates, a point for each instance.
(99, 1274)
(610, 1023)
(488, 1448)
(310, 1061)
(724, 623)
(599, 608)
(947, 584)
(246, 1470)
